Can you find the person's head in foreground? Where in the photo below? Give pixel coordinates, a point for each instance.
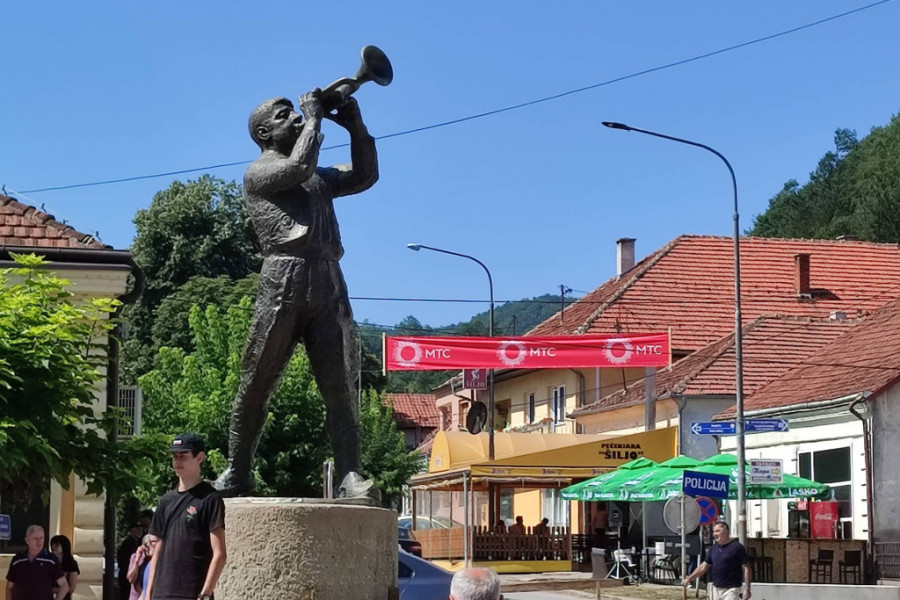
(475, 584)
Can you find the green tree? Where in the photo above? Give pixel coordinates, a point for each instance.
(854, 191)
(385, 458)
(198, 228)
(193, 391)
(51, 365)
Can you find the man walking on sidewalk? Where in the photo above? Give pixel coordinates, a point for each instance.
(730, 566)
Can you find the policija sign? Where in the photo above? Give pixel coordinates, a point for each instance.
(560, 352)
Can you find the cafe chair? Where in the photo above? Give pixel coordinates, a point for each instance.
(621, 564)
(665, 569)
(820, 567)
(850, 565)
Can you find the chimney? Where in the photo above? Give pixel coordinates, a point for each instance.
(624, 255)
(801, 272)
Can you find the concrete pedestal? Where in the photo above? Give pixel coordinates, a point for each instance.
(304, 549)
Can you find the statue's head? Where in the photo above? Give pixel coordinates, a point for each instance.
(274, 123)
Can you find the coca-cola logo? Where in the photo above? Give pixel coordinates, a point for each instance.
(825, 517)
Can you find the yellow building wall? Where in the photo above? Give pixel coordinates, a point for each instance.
(629, 419)
(527, 504)
(597, 384)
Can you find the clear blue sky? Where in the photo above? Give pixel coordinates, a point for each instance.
(104, 90)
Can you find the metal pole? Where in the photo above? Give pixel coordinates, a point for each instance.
(418, 247)
(465, 521)
(738, 338)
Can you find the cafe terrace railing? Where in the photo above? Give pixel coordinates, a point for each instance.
(554, 544)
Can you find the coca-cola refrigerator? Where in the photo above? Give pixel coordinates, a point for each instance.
(823, 519)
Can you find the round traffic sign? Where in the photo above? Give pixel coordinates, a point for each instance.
(672, 514)
(709, 510)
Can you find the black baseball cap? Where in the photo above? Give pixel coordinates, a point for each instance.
(185, 442)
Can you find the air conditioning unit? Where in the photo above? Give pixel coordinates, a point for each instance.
(131, 401)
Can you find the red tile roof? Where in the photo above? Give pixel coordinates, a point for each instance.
(427, 443)
(771, 345)
(24, 225)
(687, 287)
(866, 358)
(414, 410)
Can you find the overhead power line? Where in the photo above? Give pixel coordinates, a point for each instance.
(497, 111)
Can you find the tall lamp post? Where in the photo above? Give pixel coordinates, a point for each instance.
(738, 341)
(418, 247)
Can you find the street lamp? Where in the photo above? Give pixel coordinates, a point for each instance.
(738, 342)
(418, 247)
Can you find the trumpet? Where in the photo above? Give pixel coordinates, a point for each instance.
(375, 67)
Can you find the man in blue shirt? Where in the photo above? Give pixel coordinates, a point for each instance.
(33, 573)
(730, 566)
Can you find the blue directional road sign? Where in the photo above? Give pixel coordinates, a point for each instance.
(760, 425)
(710, 485)
(5, 527)
(713, 428)
(728, 427)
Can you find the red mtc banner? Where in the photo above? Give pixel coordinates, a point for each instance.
(439, 353)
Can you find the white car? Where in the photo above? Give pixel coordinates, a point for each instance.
(423, 522)
(418, 579)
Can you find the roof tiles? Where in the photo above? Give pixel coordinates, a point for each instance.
(414, 410)
(771, 346)
(687, 287)
(24, 225)
(866, 358)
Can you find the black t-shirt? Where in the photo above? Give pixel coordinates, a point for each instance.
(34, 579)
(726, 564)
(184, 520)
(69, 566)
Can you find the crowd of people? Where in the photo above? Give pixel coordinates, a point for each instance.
(176, 552)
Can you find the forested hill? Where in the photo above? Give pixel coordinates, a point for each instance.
(854, 191)
(510, 318)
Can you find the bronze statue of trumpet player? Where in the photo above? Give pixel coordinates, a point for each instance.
(302, 295)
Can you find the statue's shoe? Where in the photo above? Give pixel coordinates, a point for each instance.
(355, 487)
(230, 485)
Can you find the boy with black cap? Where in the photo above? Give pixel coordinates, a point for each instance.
(189, 524)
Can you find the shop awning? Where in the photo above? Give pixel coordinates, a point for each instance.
(536, 457)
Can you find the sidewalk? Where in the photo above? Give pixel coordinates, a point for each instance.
(581, 585)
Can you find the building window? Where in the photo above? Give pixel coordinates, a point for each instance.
(502, 418)
(554, 508)
(832, 467)
(506, 505)
(558, 403)
(530, 407)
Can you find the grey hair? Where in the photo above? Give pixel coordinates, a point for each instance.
(32, 528)
(723, 524)
(475, 584)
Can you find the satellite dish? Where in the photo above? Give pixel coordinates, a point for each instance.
(477, 417)
(672, 514)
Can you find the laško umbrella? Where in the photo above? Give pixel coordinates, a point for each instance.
(792, 486)
(606, 486)
(668, 484)
(661, 483)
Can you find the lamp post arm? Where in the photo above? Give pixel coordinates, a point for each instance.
(738, 338)
(487, 272)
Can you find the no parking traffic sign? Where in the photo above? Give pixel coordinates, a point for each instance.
(709, 510)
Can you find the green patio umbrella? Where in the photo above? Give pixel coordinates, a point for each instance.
(605, 486)
(660, 483)
(792, 486)
(665, 484)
